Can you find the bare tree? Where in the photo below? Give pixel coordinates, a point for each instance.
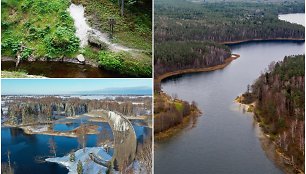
(52, 146)
(82, 137)
(144, 156)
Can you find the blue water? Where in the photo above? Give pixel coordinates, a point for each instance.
(26, 148)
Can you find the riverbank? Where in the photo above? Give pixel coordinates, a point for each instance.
(65, 59)
(268, 142)
(171, 132)
(193, 70)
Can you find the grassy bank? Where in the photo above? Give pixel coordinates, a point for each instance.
(17, 74)
(43, 30)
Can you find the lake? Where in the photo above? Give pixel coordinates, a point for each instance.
(225, 140)
(26, 149)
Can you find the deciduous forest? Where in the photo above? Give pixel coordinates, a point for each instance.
(279, 96)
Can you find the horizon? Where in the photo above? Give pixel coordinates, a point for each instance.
(76, 87)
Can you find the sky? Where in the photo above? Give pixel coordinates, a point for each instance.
(70, 86)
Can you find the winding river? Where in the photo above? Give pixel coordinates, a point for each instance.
(225, 139)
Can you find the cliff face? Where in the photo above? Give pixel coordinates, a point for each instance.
(280, 107)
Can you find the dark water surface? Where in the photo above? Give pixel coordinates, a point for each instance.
(225, 140)
(26, 149)
(58, 69)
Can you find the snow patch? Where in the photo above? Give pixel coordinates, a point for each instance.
(38, 129)
(89, 166)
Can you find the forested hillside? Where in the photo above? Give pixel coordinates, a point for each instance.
(41, 30)
(172, 56)
(207, 22)
(279, 97)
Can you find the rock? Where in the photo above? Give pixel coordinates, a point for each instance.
(98, 39)
(81, 58)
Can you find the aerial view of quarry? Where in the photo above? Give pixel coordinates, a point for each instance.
(92, 132)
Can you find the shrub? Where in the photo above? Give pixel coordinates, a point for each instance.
(123, 63)
(62, 42)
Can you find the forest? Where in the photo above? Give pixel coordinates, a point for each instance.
(173, 55)
(279, 95)
(180, 24)
(30, 110)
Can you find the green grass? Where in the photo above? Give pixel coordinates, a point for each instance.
(137, 65)
(17, 74)
(179, 106)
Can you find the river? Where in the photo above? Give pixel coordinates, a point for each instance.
(225, 139)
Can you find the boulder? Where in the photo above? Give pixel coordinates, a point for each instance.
(81, 58)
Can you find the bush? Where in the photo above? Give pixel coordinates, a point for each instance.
(124, 64)
(62, 42)
(80, 168)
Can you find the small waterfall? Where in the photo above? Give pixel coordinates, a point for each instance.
(87, 34)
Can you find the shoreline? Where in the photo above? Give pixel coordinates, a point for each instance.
(227, 61)
(66, 60)
(254, 40)
(272, 151)
(172, 131)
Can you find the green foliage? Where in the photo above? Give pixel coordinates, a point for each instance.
(280, 104)
(224, 21)
(109, 169)
(72, 156)
(134, 29)
(172, 55)
(62, 42)
(11, 45)
(124, 63)
(290, 67)
(80, 167)
(44, 27)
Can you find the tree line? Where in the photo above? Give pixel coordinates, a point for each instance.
(29, 110)
(191, 34)
(279, 94)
